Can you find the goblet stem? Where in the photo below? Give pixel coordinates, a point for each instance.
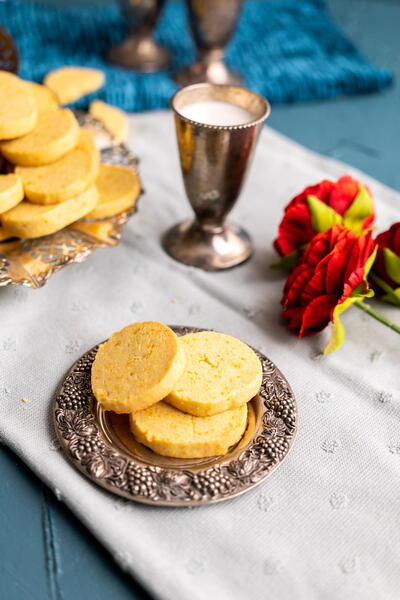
(212, 23)
(139, 51)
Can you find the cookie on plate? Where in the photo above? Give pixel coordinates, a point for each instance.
(45, 99)
(65, 178)
(118, 187)
(222, 373)
(170, 432)
(28, 220)
(56, 133)
(18, 110)
(11, 191)
(137, 367)
(114, 119)
(70, 83)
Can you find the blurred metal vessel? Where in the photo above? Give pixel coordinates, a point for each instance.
(212, 23)
(139, 51)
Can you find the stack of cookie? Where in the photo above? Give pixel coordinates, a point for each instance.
(52, 173)
(186, 396)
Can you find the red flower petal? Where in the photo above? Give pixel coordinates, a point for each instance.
(344, 192)
(317, 314)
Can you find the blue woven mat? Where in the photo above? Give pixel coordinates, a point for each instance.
(288, 50)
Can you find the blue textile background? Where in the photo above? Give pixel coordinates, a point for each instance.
(288, 50)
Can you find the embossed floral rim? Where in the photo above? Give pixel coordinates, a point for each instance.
(32, 262)
(90, 450)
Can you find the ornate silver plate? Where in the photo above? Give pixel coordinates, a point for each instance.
(101, 446)
(32, 262)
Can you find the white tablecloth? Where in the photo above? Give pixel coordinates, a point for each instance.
(326, 523)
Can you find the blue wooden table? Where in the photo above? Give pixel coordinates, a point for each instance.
(46, 554)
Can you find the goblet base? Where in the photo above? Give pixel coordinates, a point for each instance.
(210, 249)
(139, 53)
(207, 72)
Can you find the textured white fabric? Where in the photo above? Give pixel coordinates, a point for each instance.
(326, 523)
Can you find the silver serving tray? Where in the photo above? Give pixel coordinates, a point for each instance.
(101, 446)
(32, 262)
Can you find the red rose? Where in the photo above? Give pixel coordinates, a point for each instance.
(387, 263)
(329, 277)
(318, 208)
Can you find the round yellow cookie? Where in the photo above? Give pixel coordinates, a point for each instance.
(170, 432)
(28, 220)
(222, 373)
(114, 119)
(101, 230)
(45, 99)
(18, 110)
(118, 187)
(71, 83)
(55, 134)
(11, 191)
(137, 367)
(5, 234)
(65, 178)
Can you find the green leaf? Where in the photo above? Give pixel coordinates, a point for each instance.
(337, 332)
(286, 262)
(370, 262)
(391, 297)
(323, 217)
(392, 264)
(361, 208)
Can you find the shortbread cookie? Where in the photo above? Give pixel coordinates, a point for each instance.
(11, 191)
(101, 230)
(65, 178)
(137, 367)
(118, 188)
(222, 373)
(18, 110)
(113, 119)
(28, 220)
(56, 133)
(71, 83)
(5, 234)
(45, 99)
(170, 432)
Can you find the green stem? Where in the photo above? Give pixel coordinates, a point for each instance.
(386, 288)
(376, 315)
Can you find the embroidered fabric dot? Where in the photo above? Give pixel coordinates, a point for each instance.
(194, 309)
(195, 565)
(250, 312)
(349, 565)
(394, 448)
(323, 397)
(9, 345)
(375, 355)
(272, 566)
(137, 307)
(265, 502)
(330, 446)
(72, 346)
(79, 306)
(338, 500)
(384, 397)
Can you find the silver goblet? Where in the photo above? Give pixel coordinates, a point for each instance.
(214, 161)
(212, 23)
(140, 52)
